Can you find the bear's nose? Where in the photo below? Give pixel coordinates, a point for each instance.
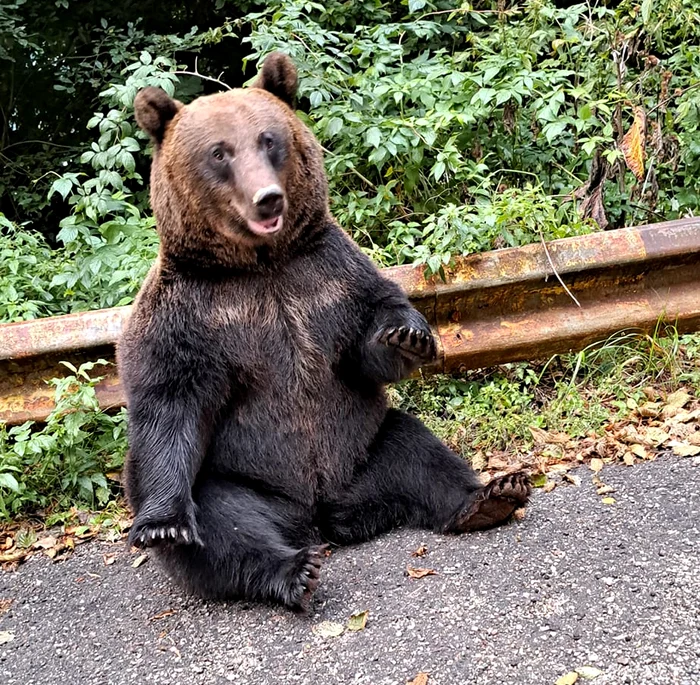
(269, 202)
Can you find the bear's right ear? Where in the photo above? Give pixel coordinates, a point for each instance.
(154, 109)
(279, 77)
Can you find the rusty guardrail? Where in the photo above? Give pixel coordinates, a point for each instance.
(494, 307)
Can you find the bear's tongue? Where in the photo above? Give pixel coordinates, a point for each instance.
(266, 227)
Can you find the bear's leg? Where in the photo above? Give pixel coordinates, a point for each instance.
(411, 478)
(253, 547)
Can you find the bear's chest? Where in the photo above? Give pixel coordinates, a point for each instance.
(282, 335)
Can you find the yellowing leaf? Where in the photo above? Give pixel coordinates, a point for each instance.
(628, 458)
(640, 451)
(358, 621)
(596, 465)
(142, 558)
(608, 500)
(539, 480)
(589, 672)
(633, 144)
(681, 449)
(568, 679)
(655, 436)
(329, 629)
(649, 409)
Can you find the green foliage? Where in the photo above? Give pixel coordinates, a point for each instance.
(449, 128)
(64, 462)
(428, 117)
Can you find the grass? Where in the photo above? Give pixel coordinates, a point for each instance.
(576, 394)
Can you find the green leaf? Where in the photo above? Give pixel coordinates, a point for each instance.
(416, 5)
(373, 136)
(335, 126)
(646, 10)
(7, 480)
(62, 186)
(438, 170)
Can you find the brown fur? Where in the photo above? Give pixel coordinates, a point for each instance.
(255, 362)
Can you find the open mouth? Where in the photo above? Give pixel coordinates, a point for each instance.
(267, 227)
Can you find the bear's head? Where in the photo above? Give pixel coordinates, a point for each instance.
(236, 178)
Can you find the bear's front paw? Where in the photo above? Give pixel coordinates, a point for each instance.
(302, 578)
(415, 343)
(151, 529)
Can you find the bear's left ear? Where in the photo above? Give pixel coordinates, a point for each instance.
(279, 77)
(154, 109)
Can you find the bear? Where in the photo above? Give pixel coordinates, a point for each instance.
(256, 359)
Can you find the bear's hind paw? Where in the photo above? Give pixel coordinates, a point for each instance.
(494, 503)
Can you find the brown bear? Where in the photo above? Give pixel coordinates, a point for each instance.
(255, 362)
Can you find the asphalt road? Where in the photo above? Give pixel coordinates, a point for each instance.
(615, 587)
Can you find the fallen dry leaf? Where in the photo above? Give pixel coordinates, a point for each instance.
(678, 399)
(14, 555)
(420, 572)
(649, 410)
(605, 489)
(45, 543)
(639, 450)
(681, 449)
(6, 636)
(596, 465)
(329, 629)
(109, 559)
(549, 486)
(420, 552)
(142, 558)
(655, 436)
(650, 393)
(520, 513)
(82, 532)
(574, 480)
(420, 679)
(5, 605)
(358, 621)
(589, 672)
(163, 614)
(633, 144)
(608, 500)
(569, 679)
(628, 458)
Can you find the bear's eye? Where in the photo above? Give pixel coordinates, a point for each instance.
(218, 154)
(268, 141)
